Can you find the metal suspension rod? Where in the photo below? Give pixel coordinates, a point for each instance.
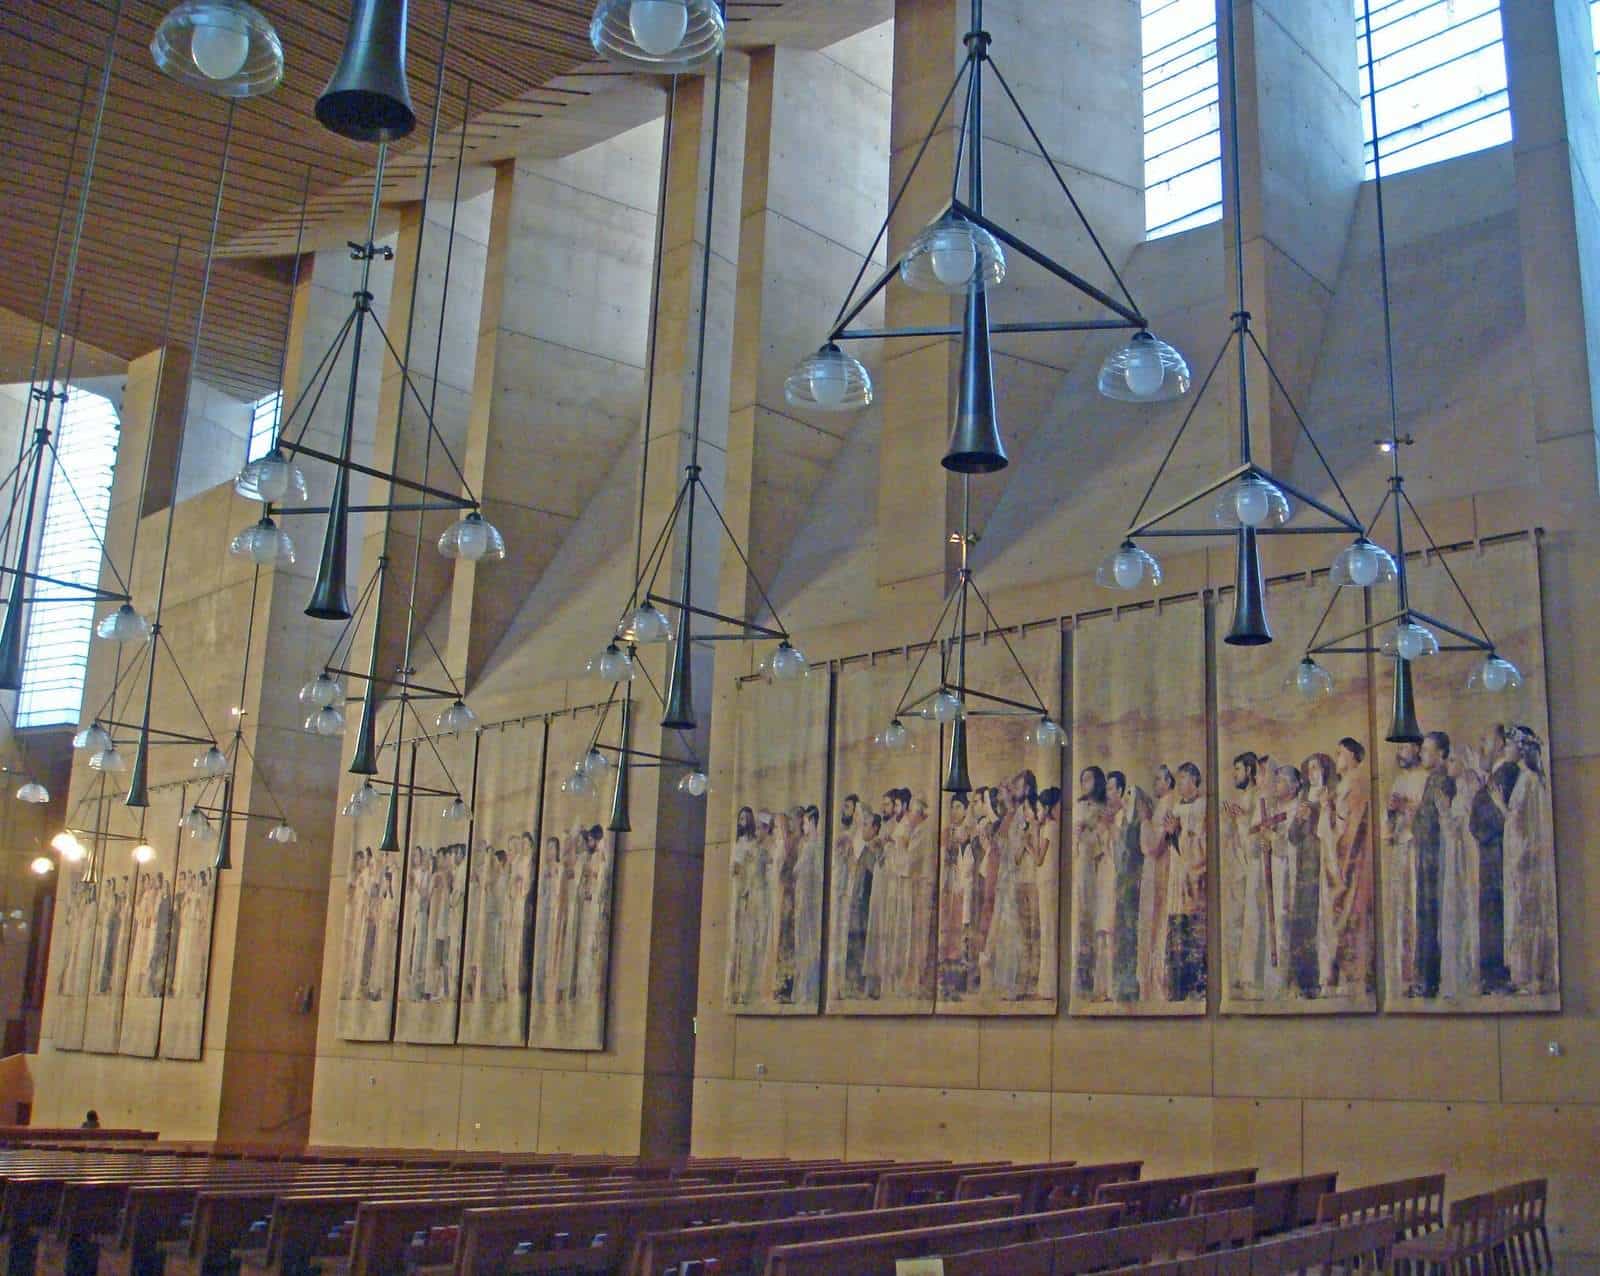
(655, 312)
(1240, 318)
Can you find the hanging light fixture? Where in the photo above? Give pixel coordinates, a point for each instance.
(962, 252)
(212, 763)
(474, 540)
(92, 739)
(265, 544)
(368, 100)
(1247, 502)
(322, 692)
(124, 626)
(109, 760)
(223, 47)
(664, 37)
(42, 866)
(456, 719)
(33, 793)
(272, 478)
(196, 826)
(283, 834)
(143, 853)
(456, 811)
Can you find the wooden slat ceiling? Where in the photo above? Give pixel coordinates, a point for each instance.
(532, 73)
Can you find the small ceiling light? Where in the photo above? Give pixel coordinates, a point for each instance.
(945, 706)
(1362, 565)
(612, 665)
(1049, 734)
(197, 826)
(92, 738)
(33, 793)
(265, 544)
(1146, 370)
(661, 36)
(283, 834)
(455, 719)
(272, 479)
(578, 784)
(1410, 641)
(951, 254)
(42, 865)
(594, 763)
(829, 381)
(110, 760)
(1129, 567)
(322, 692)
(326, 721)
(894, 737)
(359, 801)
(69, 847)
(695, 784)
(1495, 674)
(1250, 502)
(474, 539)
(646, 625)
(223, 47)
(1310, 681)
(124, 625)
(213, 762)
(143, 853)
(456, 812)
(788, 663)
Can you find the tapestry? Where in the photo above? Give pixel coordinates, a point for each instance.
(1295, 801)
(1469, 874)
(498, 956)
(108, 969)
(572, 917)
(1000, 844)
(885, 858)
(73, 957)
(1140, 850)
(433, 912)
(194, 900)
(150, 926)
(775, 870)
(369, 937)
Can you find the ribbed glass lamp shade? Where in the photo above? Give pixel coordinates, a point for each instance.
(321, 692)
(1250, 501)
(222, 47)
(110, 760)
(1309, 681)
(265, 544)
(647, 624)
(92, 738)
(1049, 734)
(283, 834)
(1362, 564)
(455, 719)
(612, 665)
(1146, 370)
(696, 784)
(1494, 674)
(950, 254)
(272, 479)
(326, 721)
(456, 812)
(1129, 567)
(359, 801)
(33, 793)
(578, 784)
(212, 763)
(124, 625)
(664, 37)
(195, 825)
(595, 763)
(70, 848)
(945, 706)
(474, 539)
(1410, 641)
(829, 381)
(894, 737)
(787, 663)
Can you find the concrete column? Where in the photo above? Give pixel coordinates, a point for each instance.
(1301, 167)
(1555, 119)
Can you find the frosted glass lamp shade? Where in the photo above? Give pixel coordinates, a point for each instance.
(124, 625)
(265, 544)
(109, 760)
(829, 381)
(143, 853)
(695, 784)
(212, 763)
(456, 812)
(664, 37)
(1361, 565)
(578, 784)
(223, 47)
(326, 721)
(321, 692)
(1049, 734)
(1251, 501)
(1146, 370)
(788, 663)
(283, 834)
(595, 763)
(456, 718)
(612, 665)
(647, 624)
(196, 827)
(474, 539)
(41, 866)
(1129, 567)
(33, 793)
(1410, 641)
(951, 254)
(1309, 681)
(945, 706)
(894, 737)
(272, 479)
(1494, 674)
(92, 739)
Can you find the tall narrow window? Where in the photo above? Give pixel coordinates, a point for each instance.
(1182, 120)
(1594, 28)
(1441, 74)
(263, 421)
(61, 621)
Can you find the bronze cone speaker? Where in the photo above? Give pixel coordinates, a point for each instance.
(1404, 728)
(975, 446)
(1249, 596)
(224, 861)
(367, 99)
(680, 688)
(365, 761)
(329, 600)
(956, 779)
(619, 798)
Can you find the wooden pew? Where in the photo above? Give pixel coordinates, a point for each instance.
(877, 1254)
(740, 1249)
(1415, 1204)
(862, 1172)
(922, 1186)
(1281, 1205)
(1064, 1188)
(1154, 1242)
(1151, 1200)
(599, 1237)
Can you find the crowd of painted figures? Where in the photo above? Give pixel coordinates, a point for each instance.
(776, 880)
(155, 929)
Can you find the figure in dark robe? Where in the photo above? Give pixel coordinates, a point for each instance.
(1487, 825)
(1427, 827)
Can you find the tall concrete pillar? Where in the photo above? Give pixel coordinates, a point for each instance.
(1555, 118)
(1300, 168)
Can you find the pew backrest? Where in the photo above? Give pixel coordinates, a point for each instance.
(1415, 1204)
(1154, 1242)
(1280, 1204)
(1063, 1187)
(1150, 1200)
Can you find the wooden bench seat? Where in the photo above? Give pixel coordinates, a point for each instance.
(1415, 1204)
(1062, 1187)
(923, 1186)
(1280, 1205)
(1150, 1200)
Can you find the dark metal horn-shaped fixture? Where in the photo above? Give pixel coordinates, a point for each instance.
(1250, 627)
(619, 822)
(367, 99)
(957, 779)
(224, 860)
(975, 443)
(1404, 728)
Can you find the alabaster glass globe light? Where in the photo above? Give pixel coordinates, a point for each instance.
(895, 737)
(33, 793)
(212, 763)
(109, 760)
(695, 784)
(69, 847)
(223, 47)
(359, 801)
(945, 706)
(647, 624)
(578, 784)
(1049, 734)
(1363, 564)
(283, 834)
(93, 738)
(1309, 680)
(265, 544)
(474, 539)
(1410, 641)
(322, 691)
(829, 381)
(1129, 567)
(456, 718)
(41, 865)
(1146, 370)
(952, 253)
(612, 665)
(660, 36)
(272, 479)
(1493, 674)
(1250, 501)
(143, 853)
(124, 625)
(195, 825)
(456, 812)
(594, 763)
(787, 663)
(326, 721)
